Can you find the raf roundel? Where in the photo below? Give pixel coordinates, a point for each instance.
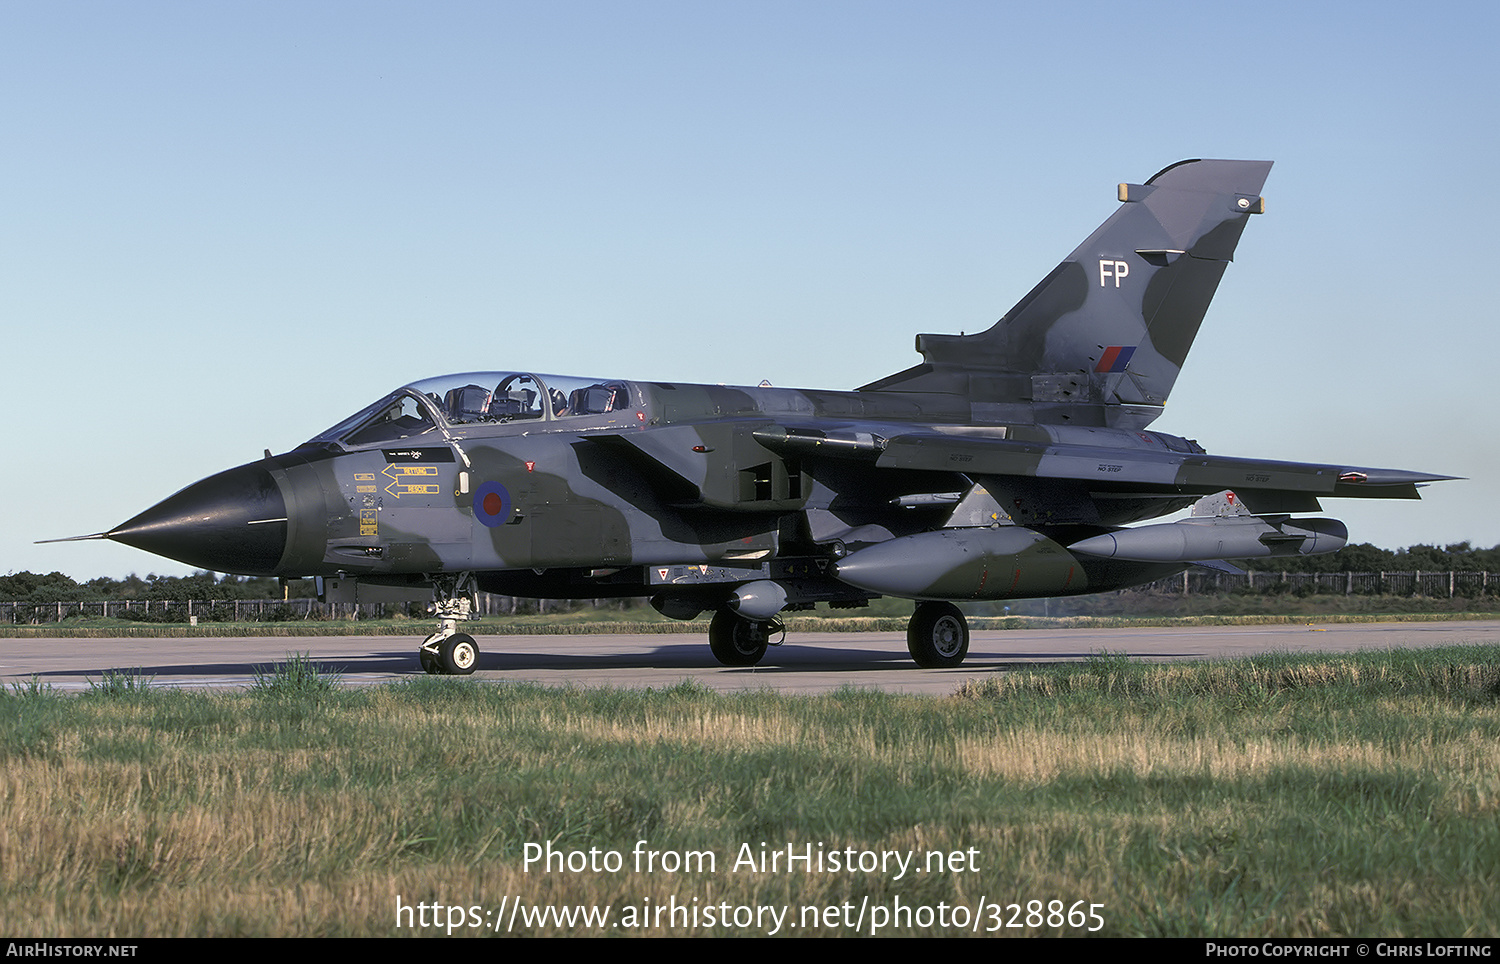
(492, 504)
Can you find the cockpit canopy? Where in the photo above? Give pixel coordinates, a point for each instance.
(470, 398)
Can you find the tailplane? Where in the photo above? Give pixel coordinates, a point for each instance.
(1101, 339)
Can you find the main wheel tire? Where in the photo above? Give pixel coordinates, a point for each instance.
(937, 636)
(459, 654)
(430, 662)
(737, 641)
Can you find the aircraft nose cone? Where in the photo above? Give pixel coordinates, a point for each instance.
(231, 522)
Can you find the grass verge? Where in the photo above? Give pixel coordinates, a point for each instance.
(1282, 795)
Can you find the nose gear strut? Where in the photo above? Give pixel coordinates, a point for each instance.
(449, 651)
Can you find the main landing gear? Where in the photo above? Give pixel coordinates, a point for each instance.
(448, 651)
(938, 635)
(737, 641)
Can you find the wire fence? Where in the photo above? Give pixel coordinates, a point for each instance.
(193, 611)
(1418, 583)
(1424, 583)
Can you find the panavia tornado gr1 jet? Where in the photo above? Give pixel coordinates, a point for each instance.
(1007, 464)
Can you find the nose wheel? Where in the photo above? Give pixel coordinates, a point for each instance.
(449, 652)
(455, 655)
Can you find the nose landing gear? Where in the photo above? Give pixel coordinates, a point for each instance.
(448, 651)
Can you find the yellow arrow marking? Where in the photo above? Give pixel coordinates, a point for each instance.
(400, 476)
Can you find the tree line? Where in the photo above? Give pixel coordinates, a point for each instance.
(30, 587)
(1363, 557)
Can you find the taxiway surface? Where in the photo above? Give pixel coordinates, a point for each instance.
(805, 663)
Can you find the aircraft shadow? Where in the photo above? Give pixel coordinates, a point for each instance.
(783, 660)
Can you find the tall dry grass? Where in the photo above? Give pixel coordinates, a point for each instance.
(1306, 796)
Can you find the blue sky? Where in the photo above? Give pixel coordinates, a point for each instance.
(227, 226)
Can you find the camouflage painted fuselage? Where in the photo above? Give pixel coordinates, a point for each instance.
(778, 481)
(1001, 466)
(692, 489)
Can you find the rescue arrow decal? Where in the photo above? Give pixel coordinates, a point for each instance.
(403, 480)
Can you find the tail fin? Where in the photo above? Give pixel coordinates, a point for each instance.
(1101, 339)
